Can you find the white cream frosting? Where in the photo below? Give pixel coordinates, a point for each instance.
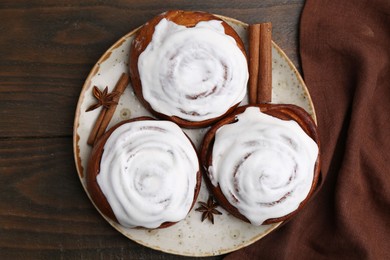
(193, 73)
(148, 173)
(260, 160)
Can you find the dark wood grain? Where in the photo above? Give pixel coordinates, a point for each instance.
(47, 49)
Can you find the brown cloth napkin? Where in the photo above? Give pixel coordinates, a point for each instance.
(345, 52)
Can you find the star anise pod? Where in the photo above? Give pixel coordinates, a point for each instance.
(104, 98)
(209, 209)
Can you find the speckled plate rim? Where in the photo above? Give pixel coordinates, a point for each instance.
(76, 137)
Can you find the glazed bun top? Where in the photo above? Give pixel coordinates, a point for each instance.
(188, 66)
(264, 166)
(148, 172)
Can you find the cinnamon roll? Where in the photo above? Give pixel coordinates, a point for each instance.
(188, 67)
(144, 173)
(262, 162)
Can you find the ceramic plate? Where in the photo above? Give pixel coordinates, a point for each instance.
(190, 237)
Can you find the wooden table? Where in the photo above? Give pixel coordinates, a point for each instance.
(47, 49)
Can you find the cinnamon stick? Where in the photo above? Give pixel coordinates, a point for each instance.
(106, 114)
(95, 129)
(260, 63)
(254, 44)
(264, 84)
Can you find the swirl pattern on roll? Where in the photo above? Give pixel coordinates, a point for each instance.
(148, 173)
(194, 73)
(263, 165)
